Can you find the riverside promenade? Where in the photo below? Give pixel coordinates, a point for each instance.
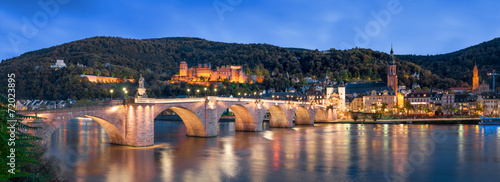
(410, 121)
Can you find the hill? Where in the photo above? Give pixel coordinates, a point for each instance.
(158, 59)
(459, 65)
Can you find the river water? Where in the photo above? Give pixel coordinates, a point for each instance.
(323, 152)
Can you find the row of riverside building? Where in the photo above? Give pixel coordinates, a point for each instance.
(388, 97)
(371, 97)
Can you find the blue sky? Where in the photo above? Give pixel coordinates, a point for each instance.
(412, 26)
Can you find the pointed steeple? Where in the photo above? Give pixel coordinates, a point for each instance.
(392, 61)
(392, 52)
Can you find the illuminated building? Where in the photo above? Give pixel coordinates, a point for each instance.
(105, 79)
(203, 74)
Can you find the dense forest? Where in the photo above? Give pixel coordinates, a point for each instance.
(460, 64)
(158, 60)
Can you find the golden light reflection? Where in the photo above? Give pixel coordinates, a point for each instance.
(114, 108)
(276, 155)
(268, 135)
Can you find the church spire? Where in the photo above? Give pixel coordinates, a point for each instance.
(392, 78)
(392, 61)
(392, 52)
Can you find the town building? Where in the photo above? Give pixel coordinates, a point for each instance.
(290, 89)
(484, 87)
(315, 96)
(357, 104)
(436, 102)
(465, 104)
(59, 64)
(460, 90)
(380, 100)
(420, 102)
(447, 103)
(490, 102)
(204, 75)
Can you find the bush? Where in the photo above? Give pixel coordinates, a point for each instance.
(355, 117)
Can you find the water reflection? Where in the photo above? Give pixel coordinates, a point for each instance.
(323, 152)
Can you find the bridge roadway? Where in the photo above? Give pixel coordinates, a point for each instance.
(133, 122)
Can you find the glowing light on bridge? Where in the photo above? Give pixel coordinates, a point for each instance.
(114, 108)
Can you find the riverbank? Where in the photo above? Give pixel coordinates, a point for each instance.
(410, 121)
(360, 121)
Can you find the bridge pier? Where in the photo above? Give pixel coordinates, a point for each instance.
(210, 121)
(139, 126)
(331, 114)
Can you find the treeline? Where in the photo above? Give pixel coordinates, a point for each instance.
(158, 60)
(460, 64)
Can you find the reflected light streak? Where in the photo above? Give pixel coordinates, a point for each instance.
(268, 135)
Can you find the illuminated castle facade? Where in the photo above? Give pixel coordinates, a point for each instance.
(204, 73)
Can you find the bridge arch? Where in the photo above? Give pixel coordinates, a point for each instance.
(194, 126)
(110, 118)
(302, 116)
(244, 120)
(277, 117)
(320, 115)
(115, 136)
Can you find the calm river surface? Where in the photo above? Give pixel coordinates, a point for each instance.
(323, 152)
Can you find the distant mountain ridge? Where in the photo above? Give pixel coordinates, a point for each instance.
(158, 59)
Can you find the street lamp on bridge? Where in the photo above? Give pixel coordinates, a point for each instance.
(205, 91)
(215, 91)
(111, 91)
(197, 91)
(124, 92)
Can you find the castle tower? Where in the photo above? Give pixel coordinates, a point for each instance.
(183, 69)
(475, 78)
(392, 78)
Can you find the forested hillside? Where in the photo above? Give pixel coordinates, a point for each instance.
(459, 65)
(158, 60)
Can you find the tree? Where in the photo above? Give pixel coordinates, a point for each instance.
(375, 116)
(29, 163)
(355, 117)
(407, 106)
(384, 106)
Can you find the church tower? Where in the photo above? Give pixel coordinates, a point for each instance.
(475, 79)
(392, 78)
(183, 69)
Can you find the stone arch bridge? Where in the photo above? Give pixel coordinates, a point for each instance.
(133, 122)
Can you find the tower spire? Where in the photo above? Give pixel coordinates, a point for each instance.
(392, 78)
